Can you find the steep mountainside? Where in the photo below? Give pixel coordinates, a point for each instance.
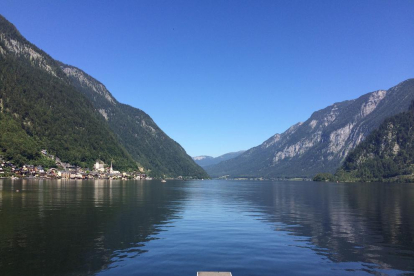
(205, 160)
(72, 115)
(321, 143)
(137, 132)
(386, 153)
(39, 109)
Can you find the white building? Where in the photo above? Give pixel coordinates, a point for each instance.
(99, 166)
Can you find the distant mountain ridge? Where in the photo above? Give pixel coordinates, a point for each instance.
(322, 142)
(61, 108)
(205, 160)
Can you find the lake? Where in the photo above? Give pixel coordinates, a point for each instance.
(180, 227)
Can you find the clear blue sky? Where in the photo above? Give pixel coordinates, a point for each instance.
(221, 76)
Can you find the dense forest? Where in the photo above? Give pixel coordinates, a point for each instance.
(41, 111)
(387, 154)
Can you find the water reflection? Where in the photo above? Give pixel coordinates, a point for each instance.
(362, 222)
(178, 228)
(78, 227)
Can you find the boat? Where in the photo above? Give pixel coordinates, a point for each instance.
(163, 180)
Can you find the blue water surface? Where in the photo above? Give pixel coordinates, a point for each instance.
(181, 227)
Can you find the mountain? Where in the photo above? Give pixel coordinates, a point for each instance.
(322, 142)
(136, 131)
(205, 160)
(64, 110)
(40, 110)
(386, 154)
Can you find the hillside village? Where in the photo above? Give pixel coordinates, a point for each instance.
(64, 170)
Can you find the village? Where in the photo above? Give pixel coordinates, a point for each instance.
(64, 170)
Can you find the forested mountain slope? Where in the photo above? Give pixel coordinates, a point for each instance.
(386, 153)
(137, 132)
(40, 110)
(64, 110)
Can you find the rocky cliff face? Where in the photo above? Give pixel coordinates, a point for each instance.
(12, 42)
(26, 51)
(88, 82)
(321, 143)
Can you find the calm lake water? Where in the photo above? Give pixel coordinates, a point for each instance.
(179, 228)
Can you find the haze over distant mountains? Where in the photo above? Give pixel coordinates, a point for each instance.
(322, 142)
(204, 160)
(45, 104)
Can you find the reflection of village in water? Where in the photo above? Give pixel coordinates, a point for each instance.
(69, 226)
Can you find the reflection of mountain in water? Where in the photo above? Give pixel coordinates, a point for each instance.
(77, 228)
(370, 223)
